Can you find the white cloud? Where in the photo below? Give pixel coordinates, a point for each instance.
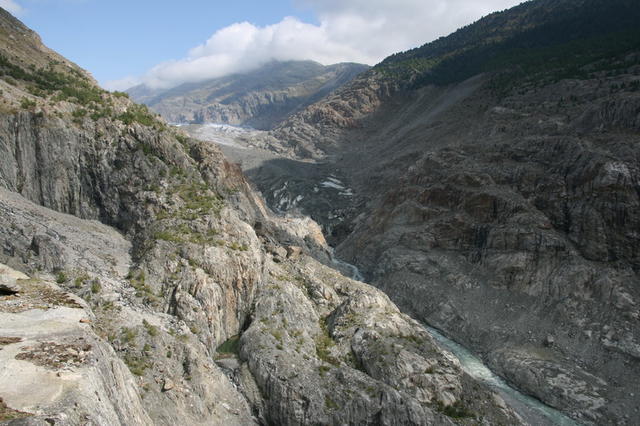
(11, 7)
(123, 83)
(349, 30)
(383, 27)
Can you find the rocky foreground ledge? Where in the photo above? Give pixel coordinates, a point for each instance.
(82, 347)
(52, 360)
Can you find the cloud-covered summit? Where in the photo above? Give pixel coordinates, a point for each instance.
(363, 31)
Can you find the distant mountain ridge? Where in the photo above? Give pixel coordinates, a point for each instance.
(259, 99)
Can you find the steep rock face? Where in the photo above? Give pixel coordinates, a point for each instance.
(112, 179)
(177, 257)
(366, 363)
(527, 207)
(92, 261)
(258, 99)
(190, 262)
(313, 132)
(70, 147)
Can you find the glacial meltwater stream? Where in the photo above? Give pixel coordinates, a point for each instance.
(530, 409)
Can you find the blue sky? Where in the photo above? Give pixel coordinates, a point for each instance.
(113, 38)
(162, 43)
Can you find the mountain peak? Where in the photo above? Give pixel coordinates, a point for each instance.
(259, 98)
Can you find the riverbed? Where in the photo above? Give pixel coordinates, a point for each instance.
(530, 409)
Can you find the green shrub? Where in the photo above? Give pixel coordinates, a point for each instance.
(146, 148)
(137, 364)
(142, 288)
(277, 334)
(138, 114)
(231, 346)
(200, 199)
(101, 113)
(324, 343)
(27, 103)
(329, 403)
(128, 335)
(36, 91)
(168, 235)
(239, 247)
(456, 411)
(323, 369)
(61, 277)
(82, 94)
(7, 414)
(181, 138)
(152, 330)
(176, 172)
(80, 112)
(79, 281)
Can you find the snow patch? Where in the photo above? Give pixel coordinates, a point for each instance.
(330, 184)
(222, 134)
(337, 184)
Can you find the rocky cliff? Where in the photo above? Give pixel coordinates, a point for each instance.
(259, 99)
(143, 281)
(494, 186)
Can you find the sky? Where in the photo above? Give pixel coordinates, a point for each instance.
(164, 43)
